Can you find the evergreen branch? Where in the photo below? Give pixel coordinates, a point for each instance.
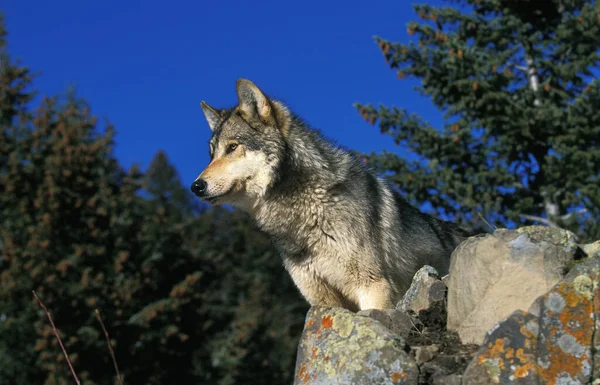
(57, 337)
(112, 353)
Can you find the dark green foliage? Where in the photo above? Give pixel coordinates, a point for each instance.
(521, 139)
(188, 294)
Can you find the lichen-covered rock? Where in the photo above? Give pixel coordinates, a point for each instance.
(397, 321)
(340, 347)
(508, 354)
(491, 276)
(591, 249)
(568, 321)
(426, 290)
(556, 345)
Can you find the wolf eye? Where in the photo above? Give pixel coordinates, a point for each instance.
(231, 148)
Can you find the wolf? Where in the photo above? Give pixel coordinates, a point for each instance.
(346, 237)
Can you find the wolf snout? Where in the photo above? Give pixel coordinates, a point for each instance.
(199, 187)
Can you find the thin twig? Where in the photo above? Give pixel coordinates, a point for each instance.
(112, 353)
(486, 222)
(57, 337)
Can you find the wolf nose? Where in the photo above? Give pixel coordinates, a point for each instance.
(199, 187)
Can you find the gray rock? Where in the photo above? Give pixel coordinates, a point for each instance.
(591, 249)
(340, 347)
(491, 276)
(397, 321)
(451, 379)
(425, 290)
(557, 344)
(444, 367)
(424, 354)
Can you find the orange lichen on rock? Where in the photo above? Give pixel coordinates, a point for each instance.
(397, 376)
(303, 374)
(495, 352)
(314, 353)
(327, 322)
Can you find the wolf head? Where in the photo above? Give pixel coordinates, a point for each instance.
(246, 148)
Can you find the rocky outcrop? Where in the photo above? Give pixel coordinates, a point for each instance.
(550, 338)
(494, 275)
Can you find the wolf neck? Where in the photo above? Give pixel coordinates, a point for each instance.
(302, 195)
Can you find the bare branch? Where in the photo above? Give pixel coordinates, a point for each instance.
(112, 353)
(57, 337)
(535, 218)
(551, 223)
(578, 212)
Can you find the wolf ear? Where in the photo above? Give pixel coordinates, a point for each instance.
(252, 101)
(212, 116)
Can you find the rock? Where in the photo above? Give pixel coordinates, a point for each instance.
(558, 344)
(340, 347)
(426, 289)
(397, 321)
(591, 249)
(434, 320)
(423, 354)
(444, 368)
(491, 276)
(451, 379)
(508, 354)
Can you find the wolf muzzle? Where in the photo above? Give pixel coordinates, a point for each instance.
(199, 187)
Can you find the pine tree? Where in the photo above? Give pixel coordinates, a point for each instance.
(66, 212)
(15, 81)
(163, 185)
(520, 95)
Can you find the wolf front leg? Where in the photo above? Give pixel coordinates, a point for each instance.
(375, 295)
(316, 291)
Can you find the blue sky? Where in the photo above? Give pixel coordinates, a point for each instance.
(146, 66)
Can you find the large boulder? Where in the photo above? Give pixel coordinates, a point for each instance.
(340, 347)
(494, 275)
(557, 343)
